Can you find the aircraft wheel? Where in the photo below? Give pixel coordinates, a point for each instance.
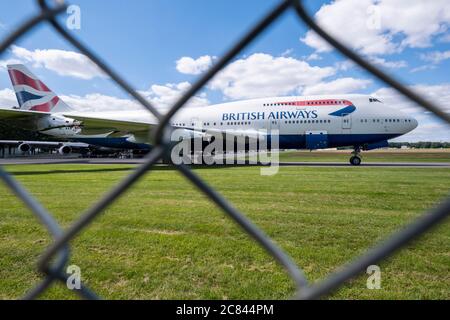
(355, 160)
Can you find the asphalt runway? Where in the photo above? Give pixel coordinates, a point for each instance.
(100, 161)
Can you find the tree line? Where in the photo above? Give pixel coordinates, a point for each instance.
(420, 145)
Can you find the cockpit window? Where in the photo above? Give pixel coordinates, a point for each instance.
(374, 100)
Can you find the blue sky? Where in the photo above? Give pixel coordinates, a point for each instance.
(161, 47)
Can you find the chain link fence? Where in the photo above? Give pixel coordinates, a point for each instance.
(53, 261)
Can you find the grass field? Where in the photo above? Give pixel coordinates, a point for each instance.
(390, 155)
(164, 240)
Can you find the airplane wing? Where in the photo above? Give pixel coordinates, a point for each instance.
(23, 119)
(14, 114)
(101, 124)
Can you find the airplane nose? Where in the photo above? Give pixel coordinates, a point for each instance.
(412, 124)
(415, 123)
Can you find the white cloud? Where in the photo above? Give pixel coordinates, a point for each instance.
(338, 86)
(7, 98)
(430, 127)
(436, 56)
(349, 64)
(63, 62)
(423, 68)
(164, 96)
(161, 96)
(188, 65)
(376, 27)
(287, 52)
(313, 56)
(4, 63)
(388, 64)
(96, 102)
(439, 94)
(262, 75)
(345, 65)
(445, 38)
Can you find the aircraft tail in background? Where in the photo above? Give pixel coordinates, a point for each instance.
(32, 94)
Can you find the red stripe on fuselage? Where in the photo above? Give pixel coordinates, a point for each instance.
(19, 78)
(46, 107)
(324, 102)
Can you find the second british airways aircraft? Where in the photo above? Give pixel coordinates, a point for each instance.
(299, 122)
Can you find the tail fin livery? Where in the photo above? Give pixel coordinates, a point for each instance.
(32, 93)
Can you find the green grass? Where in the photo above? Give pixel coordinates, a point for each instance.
(368, 156)
(164, 240)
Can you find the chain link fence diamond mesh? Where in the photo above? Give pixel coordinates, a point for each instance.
(53, 261)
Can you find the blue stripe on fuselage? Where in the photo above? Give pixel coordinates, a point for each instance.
(334, 140)
(344, 111)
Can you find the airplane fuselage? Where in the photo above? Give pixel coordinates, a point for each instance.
(313, 122)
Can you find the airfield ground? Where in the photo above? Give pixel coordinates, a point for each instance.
(390, 155)
(165, 240)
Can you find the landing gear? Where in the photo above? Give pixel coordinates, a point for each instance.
(355, 159)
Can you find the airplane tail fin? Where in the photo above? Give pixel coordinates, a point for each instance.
(32, 93)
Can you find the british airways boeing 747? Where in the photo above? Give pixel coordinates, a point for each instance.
(300, 122)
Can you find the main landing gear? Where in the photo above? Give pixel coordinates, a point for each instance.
(355, 159)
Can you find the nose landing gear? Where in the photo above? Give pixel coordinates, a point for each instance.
(355, 159)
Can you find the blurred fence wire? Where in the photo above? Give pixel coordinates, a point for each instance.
(53, 261)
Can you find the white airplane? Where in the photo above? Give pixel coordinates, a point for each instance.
(300, 122)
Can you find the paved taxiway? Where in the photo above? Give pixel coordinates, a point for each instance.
(139, 161)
